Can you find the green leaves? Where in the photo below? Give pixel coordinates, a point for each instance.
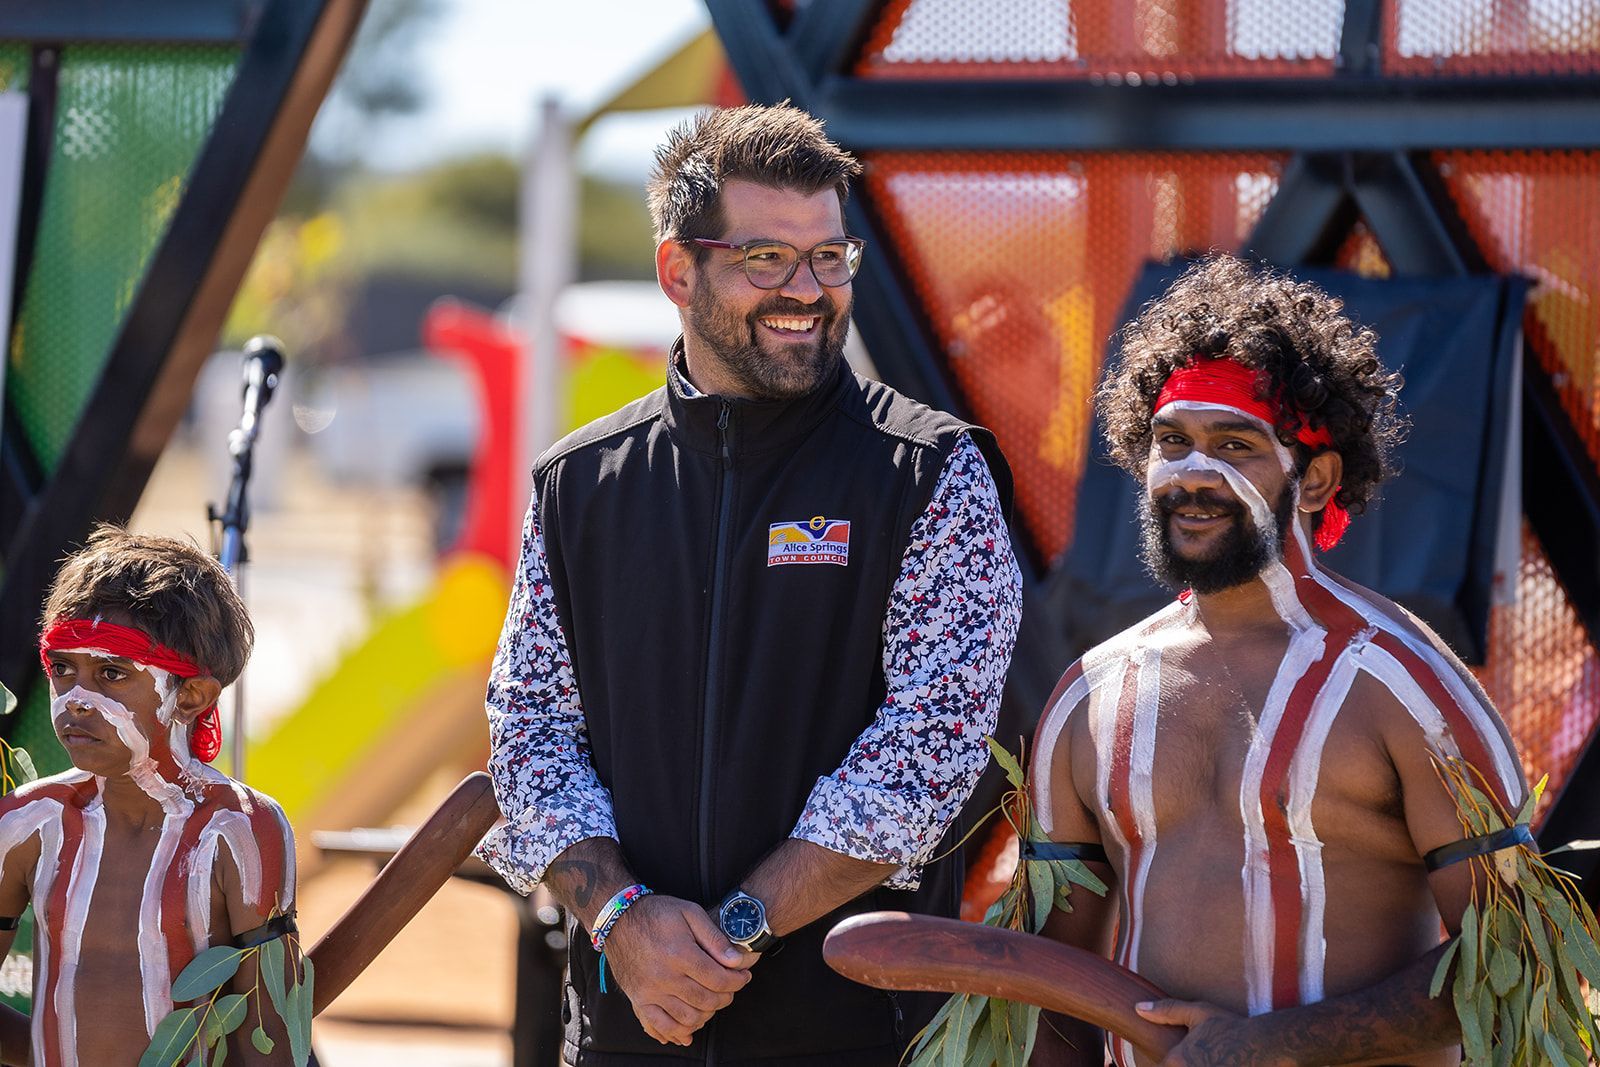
(1008, 763)
(8, 700)
(172, 1038)
(206, 972)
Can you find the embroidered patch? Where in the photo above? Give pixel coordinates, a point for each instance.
(815, 540)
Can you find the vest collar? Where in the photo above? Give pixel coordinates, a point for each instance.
(753, 425)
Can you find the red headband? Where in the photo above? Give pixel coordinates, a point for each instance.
(1222, 381)
(128, 643)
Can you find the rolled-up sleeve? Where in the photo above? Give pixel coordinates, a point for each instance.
(539, 753)
(948, 635)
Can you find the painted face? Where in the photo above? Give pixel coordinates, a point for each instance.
(775, 343)
(109, 713)
(1219, 502)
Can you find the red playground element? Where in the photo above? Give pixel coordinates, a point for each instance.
(492, 352)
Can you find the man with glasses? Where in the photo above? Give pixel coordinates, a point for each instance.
(759, 631)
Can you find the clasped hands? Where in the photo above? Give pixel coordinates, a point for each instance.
(675, 965)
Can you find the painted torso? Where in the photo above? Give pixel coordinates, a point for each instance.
(120, 911)
(1246, 796)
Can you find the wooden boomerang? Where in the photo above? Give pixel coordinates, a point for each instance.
(407, 882)
(894, 950)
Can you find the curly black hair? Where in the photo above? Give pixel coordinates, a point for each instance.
(1315, 362)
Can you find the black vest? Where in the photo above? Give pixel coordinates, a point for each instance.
(717, 688)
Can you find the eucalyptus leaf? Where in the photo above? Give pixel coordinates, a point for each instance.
(1441, 972)
(263, 1043)
(1042, 888)
(222, 1055)
(172, 1037)
(1076, 872)
(981, 1050)
(1473, 1040)
(206, 972)
(1541, 944)
(26, 771)
(225, 1016)
(958, 1032)
(1008, 763)
(8, 700)
(1469, 946)
(270, 962)
(298, 1009)
(1505, 966)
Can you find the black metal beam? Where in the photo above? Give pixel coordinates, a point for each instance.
(1294, 114)
(101, 475)
(180, 21)
(826, 36)
(1404, 218)
(1309, 214)
(1360, 45)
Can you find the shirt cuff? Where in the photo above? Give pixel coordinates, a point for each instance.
(879, 825)
(520, 850)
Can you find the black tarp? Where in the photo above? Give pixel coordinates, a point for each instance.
(1429, 541)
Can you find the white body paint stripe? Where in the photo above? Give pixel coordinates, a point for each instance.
(80, 892)
(1305, 649)
(42, 816)
(154, 966)
(232, 830)
(1141, 789)
(1304, 770)
(1055, 720)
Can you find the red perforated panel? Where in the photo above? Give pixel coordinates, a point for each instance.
(1023, 262)
(1538, 214)
(1151, 41)
(1542, 672)
(1361, 254)
(1452, 37)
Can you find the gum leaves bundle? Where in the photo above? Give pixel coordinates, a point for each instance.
(1527, 945)
(977, 1030)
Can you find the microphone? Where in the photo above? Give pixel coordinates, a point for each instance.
(263, 366)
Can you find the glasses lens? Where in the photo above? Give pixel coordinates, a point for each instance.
(769, 266)
(835, 263)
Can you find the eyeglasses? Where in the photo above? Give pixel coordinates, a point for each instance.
(770, 264)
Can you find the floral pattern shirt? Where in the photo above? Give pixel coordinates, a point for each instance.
(948, 634)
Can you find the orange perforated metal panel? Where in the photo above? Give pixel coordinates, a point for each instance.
(1361, 254)
(1022, 263)
(1538, 214)
(1154, 41)
(1453, 37)
(1542, 672)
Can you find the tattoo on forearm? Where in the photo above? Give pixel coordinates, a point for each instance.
(576, 877)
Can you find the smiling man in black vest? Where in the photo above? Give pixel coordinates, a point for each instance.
(759, 629)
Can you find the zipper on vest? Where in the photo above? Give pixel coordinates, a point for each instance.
(714, 675)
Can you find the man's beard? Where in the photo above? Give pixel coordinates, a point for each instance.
(1239, 555)
(787, 370)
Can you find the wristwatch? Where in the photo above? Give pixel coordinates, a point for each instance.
(743, 919)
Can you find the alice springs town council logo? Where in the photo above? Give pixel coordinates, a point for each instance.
(814, 540)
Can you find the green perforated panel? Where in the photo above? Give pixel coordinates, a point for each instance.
(14, 62)
(129, 123)
(130, 120)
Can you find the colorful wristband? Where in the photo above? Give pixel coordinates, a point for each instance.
(612, 911)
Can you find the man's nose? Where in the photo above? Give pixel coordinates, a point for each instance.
(804, 286)
(1193, 474)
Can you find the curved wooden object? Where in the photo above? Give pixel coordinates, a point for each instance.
(406, 883)
(894, 950)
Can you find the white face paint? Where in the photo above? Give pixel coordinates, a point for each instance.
(142, 767)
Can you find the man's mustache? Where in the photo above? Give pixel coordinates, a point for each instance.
(1204, 500)
(793, 309)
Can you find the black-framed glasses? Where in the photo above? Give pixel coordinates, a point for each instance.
(770, 264)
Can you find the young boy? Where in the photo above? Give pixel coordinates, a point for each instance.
(141, 856)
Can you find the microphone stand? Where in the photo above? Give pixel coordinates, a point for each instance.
(263, 366)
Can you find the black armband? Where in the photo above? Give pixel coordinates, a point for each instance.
(7, 922)
(1087, 851)
(271, 930)
(1482, 845)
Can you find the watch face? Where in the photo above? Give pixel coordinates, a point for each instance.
(743, 919)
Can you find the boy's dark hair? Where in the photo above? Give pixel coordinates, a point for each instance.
(171, 590)
(1315, 360)
(779, 146)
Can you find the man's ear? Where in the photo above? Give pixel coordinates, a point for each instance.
(1322, 478)
(194, 696)
(675, 271)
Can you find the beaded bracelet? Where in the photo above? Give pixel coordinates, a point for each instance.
(607, 918)
(612, 910)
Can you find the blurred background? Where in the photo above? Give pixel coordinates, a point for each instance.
(438, 206)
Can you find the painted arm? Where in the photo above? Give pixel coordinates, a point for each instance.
(1064, 1041)
(16, 1033)
(948, 633)
(248, 907)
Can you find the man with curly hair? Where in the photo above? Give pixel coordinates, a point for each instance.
(1255, 765)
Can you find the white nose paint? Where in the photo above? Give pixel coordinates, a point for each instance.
(1170, 473)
